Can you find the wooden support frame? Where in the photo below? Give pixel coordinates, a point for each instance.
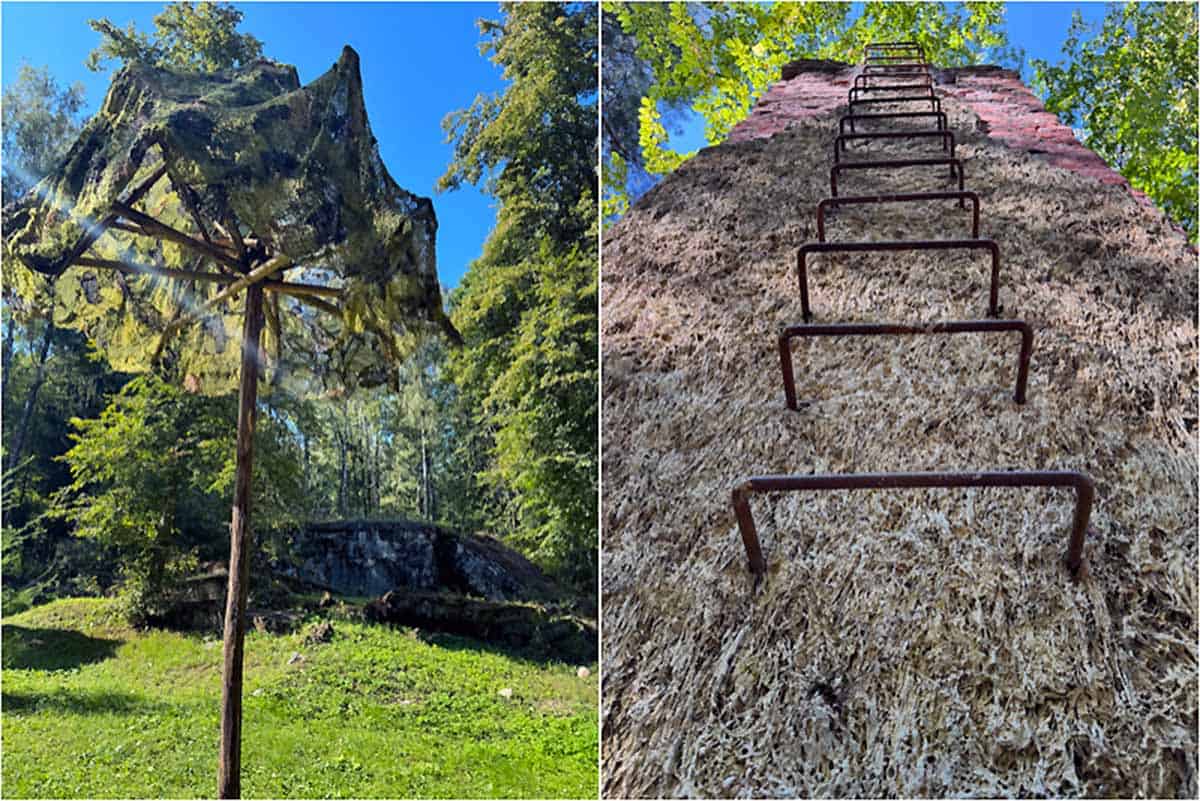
(244, 268)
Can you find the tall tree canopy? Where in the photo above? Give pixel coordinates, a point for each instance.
(1131, 87)
(198, 37)
(527, 308)
(41, 119)
(718, 58)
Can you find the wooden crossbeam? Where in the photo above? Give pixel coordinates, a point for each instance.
(85, 241)
(282, 287)
(153, 227)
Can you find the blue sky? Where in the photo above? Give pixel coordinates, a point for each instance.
(1039, 28)
(419, 62)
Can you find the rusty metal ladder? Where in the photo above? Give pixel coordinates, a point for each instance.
(904, 61)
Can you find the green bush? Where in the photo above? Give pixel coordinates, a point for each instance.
(152, 478)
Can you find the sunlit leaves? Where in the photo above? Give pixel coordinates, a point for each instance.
(201, 37)
(719, 58)
(528, 307)
(1130, 87)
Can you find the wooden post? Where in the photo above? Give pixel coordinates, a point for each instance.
(229, 765)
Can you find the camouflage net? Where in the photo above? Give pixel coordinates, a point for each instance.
(904, 642)
(292, 171)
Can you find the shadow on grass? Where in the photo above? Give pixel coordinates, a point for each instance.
(79, 702)
(52, 649)
(577, 650)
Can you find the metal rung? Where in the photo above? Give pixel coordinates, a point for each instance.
(894, 164)
(914, 244)
(839, 142)
(1085, 494)
(901, 198)
(860, 81)
(892, 88)
(898, 50)
(878, 329)
(899, 56)
(891, 115)
(935, 103)
(890, 69)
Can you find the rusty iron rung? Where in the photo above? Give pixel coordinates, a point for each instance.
(839, 142)
(908, 197)
(935, 102)
(884, 58)
(892, 88)
(888, 69)
(913, 244)
(861, 81)
(1085, 494)
(877, 329)
(894, 164)
(891, 115)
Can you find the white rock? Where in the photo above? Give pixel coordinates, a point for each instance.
(583, 673)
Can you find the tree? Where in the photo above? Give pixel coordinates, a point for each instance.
(146, 298)
(528, 306)
(148, 478)
(534, 146)
(198, 37)
(1131, 87)
(718, 58)
(41, 119)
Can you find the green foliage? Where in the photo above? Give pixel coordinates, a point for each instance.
(614, 197)
(1131, 87)
(527, 308)
(152, 478)
(94, 709)
(720, 57)
(534, 146)
(41, 119)
(200, 37)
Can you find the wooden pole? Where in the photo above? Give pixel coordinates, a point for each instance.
(229, 765)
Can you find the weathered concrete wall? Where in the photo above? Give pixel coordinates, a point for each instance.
(1008, 111)
(374, 557)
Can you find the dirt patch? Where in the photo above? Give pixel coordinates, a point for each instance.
(904, 643)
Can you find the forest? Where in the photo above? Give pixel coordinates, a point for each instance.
(496, 436)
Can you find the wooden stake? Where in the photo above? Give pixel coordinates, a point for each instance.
(229, 765)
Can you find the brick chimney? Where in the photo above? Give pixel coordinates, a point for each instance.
(1008, 112)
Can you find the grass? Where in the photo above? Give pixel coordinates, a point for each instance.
(94, 709)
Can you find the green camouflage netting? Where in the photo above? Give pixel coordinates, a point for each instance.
(295, 170)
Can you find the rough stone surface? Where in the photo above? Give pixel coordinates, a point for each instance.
(516, 625)
(374, 557)
(902, 644)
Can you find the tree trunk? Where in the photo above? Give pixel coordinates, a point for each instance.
(14, 457)
(424, 479)
(229, 766)
(307, 467)
(341, 496)
(8, 352)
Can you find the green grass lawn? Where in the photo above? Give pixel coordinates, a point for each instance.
(94, 709)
